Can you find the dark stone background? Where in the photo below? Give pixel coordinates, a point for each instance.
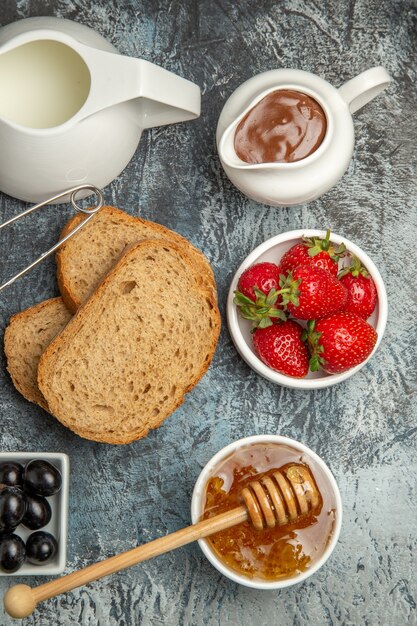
(365, 428)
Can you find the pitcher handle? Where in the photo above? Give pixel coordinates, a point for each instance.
(365, 87)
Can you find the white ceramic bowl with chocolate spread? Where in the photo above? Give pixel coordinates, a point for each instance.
(286, 136)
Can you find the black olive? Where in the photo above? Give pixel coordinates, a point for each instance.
(11, 474)
(12, 507)
(41, 547)
(38, 512)
(12, 553)
(42, 478)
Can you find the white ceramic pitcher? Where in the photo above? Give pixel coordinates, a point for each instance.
(72, 109)
(286, 184)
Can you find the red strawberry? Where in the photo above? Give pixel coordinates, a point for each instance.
(263, 276)
(339, 342)
(257, 296)
(280, 347)
(312, 293)
(362, 295)
(316, 252)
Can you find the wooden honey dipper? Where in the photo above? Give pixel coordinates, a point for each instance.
(280, 497)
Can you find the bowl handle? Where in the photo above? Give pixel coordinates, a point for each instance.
(365, 87)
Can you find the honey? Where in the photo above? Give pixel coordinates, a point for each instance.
(269, 554)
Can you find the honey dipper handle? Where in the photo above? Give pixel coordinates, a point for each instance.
(21, 600)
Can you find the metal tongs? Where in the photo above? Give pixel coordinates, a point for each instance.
(90, 211)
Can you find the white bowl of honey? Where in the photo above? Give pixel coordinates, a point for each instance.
(290, 552)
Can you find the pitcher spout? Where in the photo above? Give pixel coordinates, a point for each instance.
(162, 97)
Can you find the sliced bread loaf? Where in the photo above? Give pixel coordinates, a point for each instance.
(139, 343)
(88, 256)
(26, 337)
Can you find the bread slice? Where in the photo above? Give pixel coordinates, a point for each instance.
(88, 256)
(134, 349)
(26, 337)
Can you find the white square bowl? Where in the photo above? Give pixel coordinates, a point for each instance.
(59, 505)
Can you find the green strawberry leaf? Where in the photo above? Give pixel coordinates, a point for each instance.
(314, 363)
(279, 313)
(240, 299)
(315, 348)
(310, 325)
(316, 245)
(355, 268)
(289, 289)
(272, 297)
(264, 323)
(259, 312)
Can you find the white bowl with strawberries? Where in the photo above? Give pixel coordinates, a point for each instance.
(307, 309)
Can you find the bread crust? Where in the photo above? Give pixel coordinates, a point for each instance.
(48, 358)
(70, 297)
(14, 327)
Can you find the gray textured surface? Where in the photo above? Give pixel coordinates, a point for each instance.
(364, 428)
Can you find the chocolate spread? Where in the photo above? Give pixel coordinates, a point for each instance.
(284, 127)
